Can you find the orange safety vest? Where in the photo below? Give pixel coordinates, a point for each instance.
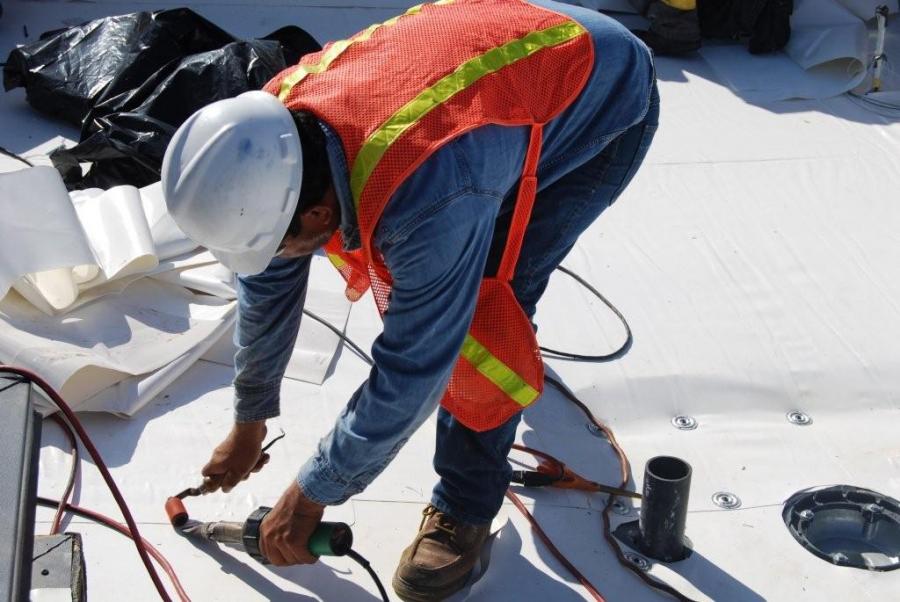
(399, 90)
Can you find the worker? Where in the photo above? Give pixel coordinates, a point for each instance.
(448, 160)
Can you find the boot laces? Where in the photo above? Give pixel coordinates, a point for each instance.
(428, 511)
(444, 522)
(447, 527)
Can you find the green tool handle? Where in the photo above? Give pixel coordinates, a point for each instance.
(330, 539)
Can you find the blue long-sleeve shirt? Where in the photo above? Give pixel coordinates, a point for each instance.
(434, 235)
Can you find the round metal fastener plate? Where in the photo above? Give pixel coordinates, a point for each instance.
(638, 561)
(799, 418)
(726, 500)
(684, 423)
(619, 507)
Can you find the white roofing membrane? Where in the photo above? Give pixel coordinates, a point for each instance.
(757, 258)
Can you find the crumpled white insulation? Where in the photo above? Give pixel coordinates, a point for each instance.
(106, 298)
(60, 252)
(121, 341)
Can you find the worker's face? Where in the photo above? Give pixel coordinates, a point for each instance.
(318, 224)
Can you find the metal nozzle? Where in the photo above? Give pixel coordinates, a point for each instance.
(230, 533)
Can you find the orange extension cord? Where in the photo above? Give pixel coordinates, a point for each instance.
(123, 529)
(73, 473)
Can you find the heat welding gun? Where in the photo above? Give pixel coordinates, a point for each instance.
(329, 539)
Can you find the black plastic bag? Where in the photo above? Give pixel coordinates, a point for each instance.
(771, 26)
(129, 81)
(672, 31)
(125, 135)
(765, 24)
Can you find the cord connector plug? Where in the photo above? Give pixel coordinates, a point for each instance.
(531, 478)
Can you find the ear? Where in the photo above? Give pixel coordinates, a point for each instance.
(317, 216)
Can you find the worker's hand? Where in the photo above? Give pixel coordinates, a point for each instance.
(239, 455)
(284, 533)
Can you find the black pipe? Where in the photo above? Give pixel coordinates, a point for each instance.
(667, 483)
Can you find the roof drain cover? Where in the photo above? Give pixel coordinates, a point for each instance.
(847, 526)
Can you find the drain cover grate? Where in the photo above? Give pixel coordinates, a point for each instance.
(847, 526)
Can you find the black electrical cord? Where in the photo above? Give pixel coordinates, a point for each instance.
(9, 153)
(549, 353)
(356, 348)
(622, 350)
(12, 382)
(366, 565)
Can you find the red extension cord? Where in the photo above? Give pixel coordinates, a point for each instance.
(132, 529)
(123, 529)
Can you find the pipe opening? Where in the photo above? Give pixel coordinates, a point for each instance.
(668, 468)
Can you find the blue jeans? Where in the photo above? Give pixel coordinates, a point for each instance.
(473, 466)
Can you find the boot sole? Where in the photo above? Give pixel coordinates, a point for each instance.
(410, 593)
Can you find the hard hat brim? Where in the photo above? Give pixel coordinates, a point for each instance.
(248, 262)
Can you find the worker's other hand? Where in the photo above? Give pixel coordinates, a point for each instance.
(284, 533)
(239, 455)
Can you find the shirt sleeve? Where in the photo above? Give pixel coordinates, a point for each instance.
(270, 305)
(437, 266)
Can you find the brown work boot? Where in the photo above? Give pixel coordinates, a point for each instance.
(440, 558)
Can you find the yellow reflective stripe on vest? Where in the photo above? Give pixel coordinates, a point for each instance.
(338, 48)
(336, 260)
(497, 372)
(446, 88)
(682, 4)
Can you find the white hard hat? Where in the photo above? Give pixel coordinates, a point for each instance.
(231, 178)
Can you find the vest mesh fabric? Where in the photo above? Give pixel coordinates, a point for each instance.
(470, 397)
